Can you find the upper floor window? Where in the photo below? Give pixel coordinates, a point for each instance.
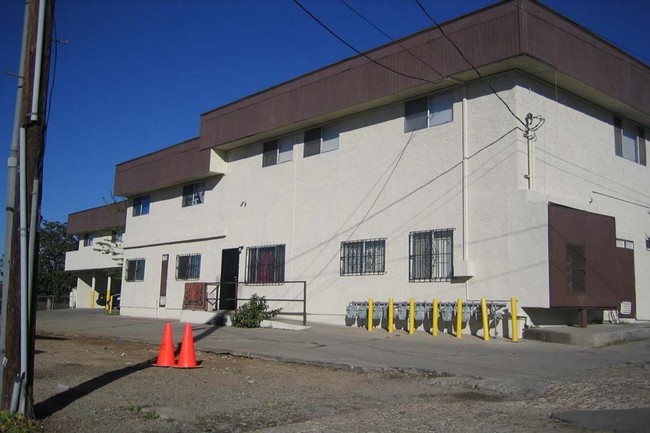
(188, 267)
(428, 111)
(278, 151)
(431, 255)
(321, 139)
(265, 264)
(629, 141)
(141, 205)
(193, 194)
(366, 257)
(134, 270)
(88, 239)
(117, 236)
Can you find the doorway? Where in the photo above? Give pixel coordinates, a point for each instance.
(229, 278)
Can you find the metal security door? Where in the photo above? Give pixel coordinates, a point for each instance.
(229, 278)
(162, 300)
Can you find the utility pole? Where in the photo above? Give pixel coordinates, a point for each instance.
(23, 211)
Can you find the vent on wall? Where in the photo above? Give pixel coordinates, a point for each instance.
(626, 307)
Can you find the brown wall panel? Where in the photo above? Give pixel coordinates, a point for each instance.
(97, 219)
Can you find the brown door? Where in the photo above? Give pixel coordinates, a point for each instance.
(162, 301)
(229, 278)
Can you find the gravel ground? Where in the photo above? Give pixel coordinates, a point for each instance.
(94, 385)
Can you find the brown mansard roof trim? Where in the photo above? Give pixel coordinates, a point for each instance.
(490, 38)
(103, 218)
(518, 34)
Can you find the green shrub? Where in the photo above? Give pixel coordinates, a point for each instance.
(16, 423)
(251, 314)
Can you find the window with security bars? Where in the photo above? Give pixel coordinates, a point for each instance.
(134, 270)
(364, 257)
(431, 255)
(193, 194)
(265, 264)
(188, 267)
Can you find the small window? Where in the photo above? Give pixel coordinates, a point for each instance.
(265, 265)
(134, 270)
(428, 111)
(117, 236)
(193, 194)
(629, 141)
(321, 140)
(188, 267)
(647, 244)
(141, 205)
(88, 239)
(366, 257)
(624, 243)
(431, 255)
(278, 151)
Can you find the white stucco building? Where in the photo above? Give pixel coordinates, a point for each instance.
(418, 178)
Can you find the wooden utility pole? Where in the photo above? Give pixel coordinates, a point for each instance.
(33, 120)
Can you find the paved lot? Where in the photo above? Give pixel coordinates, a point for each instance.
(515, 369)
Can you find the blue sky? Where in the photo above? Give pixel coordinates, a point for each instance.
(136, 74)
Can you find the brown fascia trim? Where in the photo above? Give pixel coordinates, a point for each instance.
(498, 33)
(103, 218)
(182, 162)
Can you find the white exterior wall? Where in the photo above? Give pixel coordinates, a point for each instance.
(384, 183)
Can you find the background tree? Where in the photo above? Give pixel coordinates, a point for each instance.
(54, 242)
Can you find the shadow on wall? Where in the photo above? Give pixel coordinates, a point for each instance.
(561, 316)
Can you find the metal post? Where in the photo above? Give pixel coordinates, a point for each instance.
(434, 321)
(92, 294)
(304, 303)
(459, 318)
(369, 316)
(108, 293)
(484, 316)
(411, 316)
(513, 316)
(391, 310)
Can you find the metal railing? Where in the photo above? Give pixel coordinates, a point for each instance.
(61, 302)
(213, 298)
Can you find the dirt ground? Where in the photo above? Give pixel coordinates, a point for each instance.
(94, 385)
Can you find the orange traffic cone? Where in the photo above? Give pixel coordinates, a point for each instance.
(187, 358)
(166, 353)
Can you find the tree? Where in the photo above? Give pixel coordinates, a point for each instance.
(54, 242)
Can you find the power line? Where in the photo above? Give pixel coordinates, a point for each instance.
(330, 31)
(468, 62)
(360, 15)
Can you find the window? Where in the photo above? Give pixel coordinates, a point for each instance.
(624, 243)
(265, 264)
(576, 269)
(366, 257)
(278, 151)
(88, 239)
(141, 205)
(629, 141)
(193, 194)
(428, 111)
(320, 140)
(117, 236)
(134, 270)
(188, 267)
(431, 255)
(647, 244)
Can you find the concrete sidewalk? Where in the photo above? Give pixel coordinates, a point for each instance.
(516, 369)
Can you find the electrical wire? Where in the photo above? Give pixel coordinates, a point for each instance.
(360, 15)
(330, 31)
(468, 62)
(55, 39)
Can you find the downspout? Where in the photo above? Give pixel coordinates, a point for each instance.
(33, 227)
(530, 150)
(465, 188)
(12, 163)
(38, 61)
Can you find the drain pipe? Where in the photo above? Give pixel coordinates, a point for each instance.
(33, 228)
(38, 61)
(465, 188)
(12, 163)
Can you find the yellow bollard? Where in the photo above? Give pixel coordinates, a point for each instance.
(484, 316)
(391, 309)
(108, 297)
(110, 306)
(434, 323)
(369, 317)
(92, 299)
(513, 316)
(459, 318)
(412, 316)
